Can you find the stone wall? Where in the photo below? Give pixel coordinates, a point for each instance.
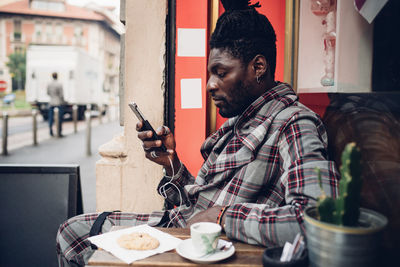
(126, 180)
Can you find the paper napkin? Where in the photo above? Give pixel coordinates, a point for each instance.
(108, 242)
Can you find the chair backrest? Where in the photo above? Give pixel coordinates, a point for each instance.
(34, 201)
(372, 120)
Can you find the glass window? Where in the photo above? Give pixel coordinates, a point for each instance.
(47, 5)
(54, 6)
(39, 5)
(78, 34)
(38, 31)
(49, 31)
(17, 30)
(18, 49)
(59, 32)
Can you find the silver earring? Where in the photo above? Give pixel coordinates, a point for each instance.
(258, 79)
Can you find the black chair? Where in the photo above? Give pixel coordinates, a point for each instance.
(34, 201)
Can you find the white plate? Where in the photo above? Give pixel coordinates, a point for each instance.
(186, 250)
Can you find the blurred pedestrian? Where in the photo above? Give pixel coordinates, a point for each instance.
(56, 93)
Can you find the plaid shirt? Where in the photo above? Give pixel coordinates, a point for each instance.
(261, 165)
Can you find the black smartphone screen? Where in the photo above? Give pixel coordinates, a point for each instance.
(146, 124)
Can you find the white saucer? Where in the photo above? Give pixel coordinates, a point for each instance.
(186, 250)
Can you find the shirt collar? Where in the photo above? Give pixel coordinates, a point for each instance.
(244, 133)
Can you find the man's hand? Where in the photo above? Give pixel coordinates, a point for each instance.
(160, 157)
(208, 215)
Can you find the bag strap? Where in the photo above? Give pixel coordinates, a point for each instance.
(98, 223)
(96, 227)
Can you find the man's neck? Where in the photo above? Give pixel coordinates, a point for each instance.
(269, 83)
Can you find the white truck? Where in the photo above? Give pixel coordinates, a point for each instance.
(81, 75)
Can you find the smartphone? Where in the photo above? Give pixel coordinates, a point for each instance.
(146, 125)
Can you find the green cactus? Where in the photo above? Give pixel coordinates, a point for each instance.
(326, 205)
(344, 210)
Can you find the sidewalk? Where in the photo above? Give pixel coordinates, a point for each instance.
(70, 149)
(16, 113)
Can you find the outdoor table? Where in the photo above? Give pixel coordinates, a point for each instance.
(245, 255)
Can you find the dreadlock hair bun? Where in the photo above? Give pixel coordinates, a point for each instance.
(230, 5)
(245, 33)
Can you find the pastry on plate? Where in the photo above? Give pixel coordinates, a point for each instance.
(138, 241)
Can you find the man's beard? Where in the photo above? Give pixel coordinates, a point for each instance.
(240, 100)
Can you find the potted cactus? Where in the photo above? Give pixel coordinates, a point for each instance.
(339, 232)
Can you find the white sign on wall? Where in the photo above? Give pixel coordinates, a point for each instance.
(191, 42)
(191, 93)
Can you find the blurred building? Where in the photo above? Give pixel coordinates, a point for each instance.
(54, 22)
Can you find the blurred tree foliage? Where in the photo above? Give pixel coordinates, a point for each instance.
(17, 66)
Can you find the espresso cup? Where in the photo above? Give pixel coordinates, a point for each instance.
(205, 237)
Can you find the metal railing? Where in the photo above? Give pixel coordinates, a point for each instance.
(4, 135)
(89, 114)
(34, 126)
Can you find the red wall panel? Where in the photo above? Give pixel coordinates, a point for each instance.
(190, 124)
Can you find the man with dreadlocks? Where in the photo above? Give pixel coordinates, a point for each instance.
(258, 173)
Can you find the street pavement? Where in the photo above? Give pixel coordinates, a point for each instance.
(70, 149)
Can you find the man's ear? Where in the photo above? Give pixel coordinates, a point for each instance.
(260, 65)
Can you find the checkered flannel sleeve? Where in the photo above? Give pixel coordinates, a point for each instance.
(302, 148)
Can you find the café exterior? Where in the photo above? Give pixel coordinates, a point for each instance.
(341, 65)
